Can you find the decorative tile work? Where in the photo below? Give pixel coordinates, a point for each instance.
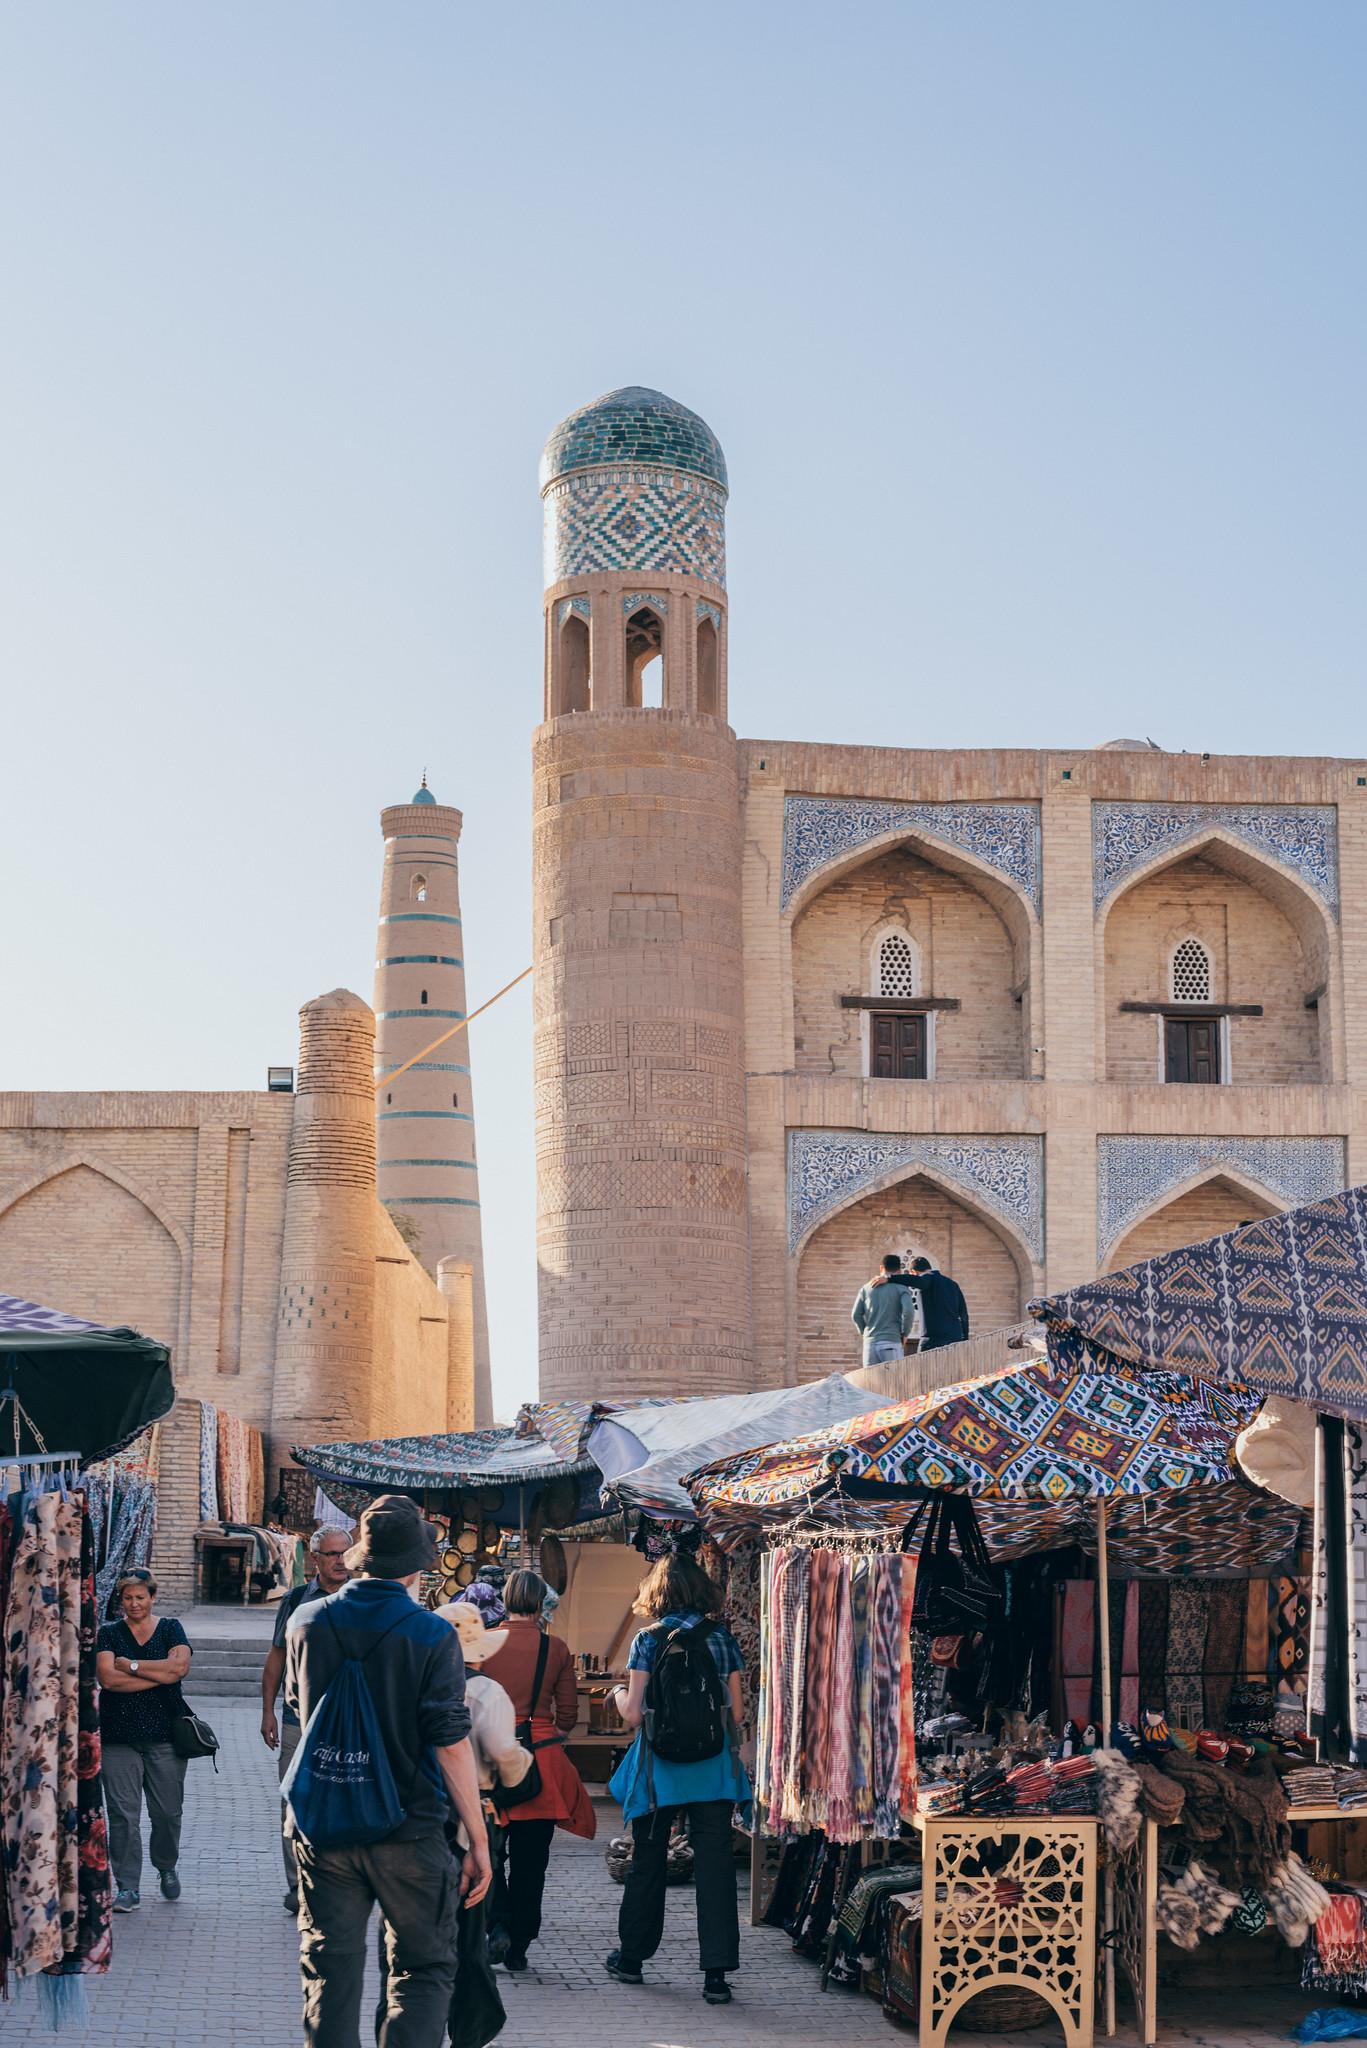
(1302, 837)
(572, 604)
(640, 597)
(635, 425)
(819, 829)
(1134, 1173)
(709, 611)
(826, 1169)
(622, 520)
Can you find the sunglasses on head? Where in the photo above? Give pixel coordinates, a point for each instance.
(137, 1577)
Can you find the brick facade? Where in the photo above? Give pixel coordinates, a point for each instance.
(1037, 890)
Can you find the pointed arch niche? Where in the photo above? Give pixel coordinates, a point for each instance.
(916, 1214)
(1220, 925)
(55, 1239)
(960, 932)
(1219, 1202)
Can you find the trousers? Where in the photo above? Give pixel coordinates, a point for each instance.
(134, 1772)
(529, 1852)
(641, 1920)
(416, 1886)
(290, 1732)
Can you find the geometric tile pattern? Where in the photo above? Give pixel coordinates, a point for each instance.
(1303, 837)
(622, 520)
(640, 597)
(635, 425)
(1133, 1173)
(709, 611)
(819, 829)
(567, 605)
(827, 1169)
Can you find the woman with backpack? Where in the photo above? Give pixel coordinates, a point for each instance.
(536, 1671)
(683, 1696)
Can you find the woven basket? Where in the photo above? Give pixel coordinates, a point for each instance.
(1004, 2009)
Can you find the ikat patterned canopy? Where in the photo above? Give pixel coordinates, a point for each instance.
(1035, 1432)
(1280, 1305)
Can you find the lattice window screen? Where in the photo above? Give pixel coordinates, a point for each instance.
(897, 967)
(1191, 973)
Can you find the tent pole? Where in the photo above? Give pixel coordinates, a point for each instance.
(1103, 1601)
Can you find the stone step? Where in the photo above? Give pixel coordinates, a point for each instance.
(221, 1686)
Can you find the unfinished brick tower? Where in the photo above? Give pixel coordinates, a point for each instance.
(641, 1146)
(425, 1120)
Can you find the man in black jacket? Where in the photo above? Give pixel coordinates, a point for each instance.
(416, 1677)
(944, 1312)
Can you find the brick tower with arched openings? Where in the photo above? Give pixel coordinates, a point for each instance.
(641, 1209)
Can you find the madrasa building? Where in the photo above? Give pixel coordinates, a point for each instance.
(1035, 1013)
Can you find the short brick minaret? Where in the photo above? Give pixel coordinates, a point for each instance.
(425, 1121)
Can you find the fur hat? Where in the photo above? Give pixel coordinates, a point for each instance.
(476, 1641)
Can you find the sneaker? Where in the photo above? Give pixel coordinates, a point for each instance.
(291, 1903)
(715, 1988)
(626, 1972)
(170, 1884)
(515, 1960)
(126, 1902)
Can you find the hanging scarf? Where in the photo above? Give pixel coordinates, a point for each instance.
(132, 1531)
(1153, 1640)
(86, 1925)
(1256, 1649)
(906, 1750)
(1186, 1652)
(840, 1733)
(1293, 1602)
(39, 1735)
(208, 1463)
(788, 1678)
(888, 1660)
(1079, 1651)
(820, 1663)
(6, 1527)
(861, 1607)
(1355, 1537)
(1225, 1630)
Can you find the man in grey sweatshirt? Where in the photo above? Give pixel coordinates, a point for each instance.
(885, 1316)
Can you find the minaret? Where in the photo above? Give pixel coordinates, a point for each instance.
(425, 1122)
(641, 1154)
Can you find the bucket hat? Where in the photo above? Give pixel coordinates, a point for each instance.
(392, 1540)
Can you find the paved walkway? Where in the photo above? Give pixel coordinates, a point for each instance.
(219, 1970)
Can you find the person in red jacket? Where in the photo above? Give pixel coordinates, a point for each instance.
(562, 1801)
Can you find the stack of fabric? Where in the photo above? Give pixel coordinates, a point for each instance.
(1350, 1787)
(1310, 1785)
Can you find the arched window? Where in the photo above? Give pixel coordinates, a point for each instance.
(645, 660)
(418, 889)
(708, 695)
(896, 965)
(1191, 976)
(576, 683)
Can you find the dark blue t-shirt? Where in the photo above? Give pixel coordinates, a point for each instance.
(137, 1717)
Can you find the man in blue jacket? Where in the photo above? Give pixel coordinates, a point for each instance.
(944, 1312)
(416, 1677)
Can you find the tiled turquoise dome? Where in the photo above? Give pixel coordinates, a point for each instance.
(423, 795)
(633, 425)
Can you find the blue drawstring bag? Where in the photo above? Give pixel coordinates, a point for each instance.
(1332, 2023)
(340, 1787)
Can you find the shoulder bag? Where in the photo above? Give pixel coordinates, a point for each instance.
(507, 1796)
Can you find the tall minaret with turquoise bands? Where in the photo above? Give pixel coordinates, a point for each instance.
(425, 1122)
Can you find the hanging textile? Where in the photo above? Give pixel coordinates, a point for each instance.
(1153, 1643)
(208, 1462)
(1338, 1618)
(86, 1916)
(1078, 1649)
(40, 1734)
(1292, 1601)
(130, 1520)
(1186, 1653)
(1129, 1658)
(1222, 1660)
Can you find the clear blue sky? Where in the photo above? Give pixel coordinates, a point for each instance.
(1034, 335)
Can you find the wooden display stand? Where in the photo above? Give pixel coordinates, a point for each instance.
(210, 1546)
(1031, 1925)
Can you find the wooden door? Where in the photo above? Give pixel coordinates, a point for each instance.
(1193, 1048)
(897, 1047)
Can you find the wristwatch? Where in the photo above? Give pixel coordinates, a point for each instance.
(133, 1666)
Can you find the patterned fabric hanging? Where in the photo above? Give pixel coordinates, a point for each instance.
(208, 1462)
(87, 1915)
(1280, 1304)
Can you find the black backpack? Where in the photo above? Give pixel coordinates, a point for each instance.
(687, 1715)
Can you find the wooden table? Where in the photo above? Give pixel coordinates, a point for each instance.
(1040, 1938)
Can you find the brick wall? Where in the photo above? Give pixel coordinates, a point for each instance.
(1207, 1211)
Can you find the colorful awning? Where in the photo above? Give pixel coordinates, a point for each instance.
(1280, 1304)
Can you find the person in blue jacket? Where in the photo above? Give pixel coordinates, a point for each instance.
(655, 1792)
